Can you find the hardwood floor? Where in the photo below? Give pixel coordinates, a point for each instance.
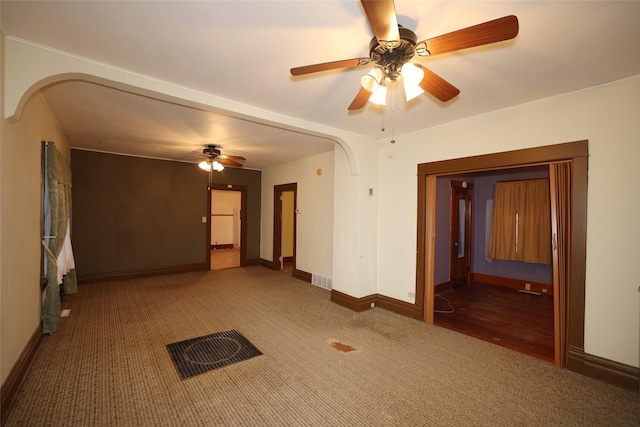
(225, 258)
(516, 320)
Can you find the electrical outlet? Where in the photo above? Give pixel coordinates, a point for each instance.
(527, 286)
(373, 304)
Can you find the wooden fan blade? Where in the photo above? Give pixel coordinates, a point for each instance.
(325, 66)
(437, 86)
(382, 17)
(224, 156)
(228, 162)
(360, 100)
(498, 30)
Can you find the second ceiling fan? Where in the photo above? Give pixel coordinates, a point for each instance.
(215, 160)
(394, 46)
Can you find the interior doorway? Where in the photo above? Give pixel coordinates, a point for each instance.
(284, 227)
(226, 234)
(461, 233)
(569, 247)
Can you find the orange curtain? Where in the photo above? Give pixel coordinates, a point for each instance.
(521, 222)
(502, 239)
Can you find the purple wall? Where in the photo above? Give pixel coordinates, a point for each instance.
(483, 188)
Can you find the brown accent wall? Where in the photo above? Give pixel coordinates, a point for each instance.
(134, 214)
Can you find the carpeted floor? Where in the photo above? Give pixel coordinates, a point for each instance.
(109, 365)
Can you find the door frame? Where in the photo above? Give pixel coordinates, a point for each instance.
(468, 229)
(571, 319)
(277, 223)
(243, 219)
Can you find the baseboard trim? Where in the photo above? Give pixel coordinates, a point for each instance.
(400, 307)
(442, 287)
(605, 370)
(266, 263)
(352, 303)
(387, 303)
(543, 288)
(136, 274)
(225, 246)
(11, 386)
(250, 262)
(302, 275)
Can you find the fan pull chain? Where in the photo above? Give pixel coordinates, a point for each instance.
(393, 109)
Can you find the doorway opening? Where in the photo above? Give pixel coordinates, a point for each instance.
(505, 302)
(284, 227)
(226, 231)
(568, 165)
(461, 227)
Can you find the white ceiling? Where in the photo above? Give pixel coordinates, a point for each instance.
(243, 50)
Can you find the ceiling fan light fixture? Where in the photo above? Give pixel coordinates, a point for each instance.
(412, 91)
(209, 165)
(205, 165)
(379, 96)
(412, 76)
(217, 166)
(371, 81)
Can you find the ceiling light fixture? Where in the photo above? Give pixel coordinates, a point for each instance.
(377, 79)
(380, 95)
(411, 78)
(373, 79)
(209, 165)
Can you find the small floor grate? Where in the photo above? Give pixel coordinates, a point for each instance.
(198, 355)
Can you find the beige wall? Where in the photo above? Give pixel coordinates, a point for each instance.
(20, 234)
(314, 220)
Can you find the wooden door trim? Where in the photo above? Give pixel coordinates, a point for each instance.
(575, 152)
(277, 225)
(243, 219)
(468, 235)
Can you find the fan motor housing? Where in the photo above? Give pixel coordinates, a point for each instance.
(392, 59)
(211, 151)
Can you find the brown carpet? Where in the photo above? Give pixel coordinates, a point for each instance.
(109, 365)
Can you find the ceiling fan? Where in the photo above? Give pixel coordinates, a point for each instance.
(394, 46)
(215, 161)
